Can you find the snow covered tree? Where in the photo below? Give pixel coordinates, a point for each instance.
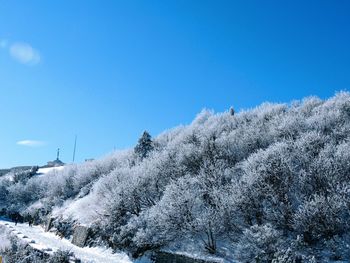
(258, 244)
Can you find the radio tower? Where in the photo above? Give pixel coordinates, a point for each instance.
(75, 146)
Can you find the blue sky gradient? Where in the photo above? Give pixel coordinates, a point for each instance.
(107, 70)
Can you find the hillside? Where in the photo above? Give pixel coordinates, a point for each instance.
(270, 183)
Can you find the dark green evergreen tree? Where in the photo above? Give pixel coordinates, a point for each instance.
(144, 145)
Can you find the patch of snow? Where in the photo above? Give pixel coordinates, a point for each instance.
(53, 170)
(51, 243)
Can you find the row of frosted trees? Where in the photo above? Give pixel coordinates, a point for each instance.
(268, 184)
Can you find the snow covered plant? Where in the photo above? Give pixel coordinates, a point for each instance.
(258, 244)
(322, 218)
(5, 241)
(257, 180)
(61, 256)
(13, 251)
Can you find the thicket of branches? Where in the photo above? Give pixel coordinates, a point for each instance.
(274, 182)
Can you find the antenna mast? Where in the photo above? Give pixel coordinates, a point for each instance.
(75, 146)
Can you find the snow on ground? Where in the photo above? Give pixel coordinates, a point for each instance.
(41, 172)
(194, 248)
(46, 241)
(47, 170)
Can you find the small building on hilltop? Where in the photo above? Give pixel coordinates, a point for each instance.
(55, 163)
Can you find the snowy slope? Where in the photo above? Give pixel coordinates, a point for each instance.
(49, 242)
(43, 171)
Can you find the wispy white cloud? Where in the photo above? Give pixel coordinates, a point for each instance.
(3, 43)
(24, 53)
(31, 143)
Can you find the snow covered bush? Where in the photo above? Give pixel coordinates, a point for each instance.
(61, 256)
(322, 218)
(64, 227)
(15, 251)
(5, 241)
(258, 244)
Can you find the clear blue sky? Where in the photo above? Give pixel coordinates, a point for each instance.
(107, 70)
